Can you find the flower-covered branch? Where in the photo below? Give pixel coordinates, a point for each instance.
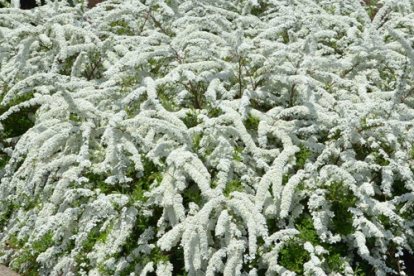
(202, 138)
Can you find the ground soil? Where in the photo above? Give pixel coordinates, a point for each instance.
(5, 271)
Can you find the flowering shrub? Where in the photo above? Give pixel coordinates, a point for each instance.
(207, 137)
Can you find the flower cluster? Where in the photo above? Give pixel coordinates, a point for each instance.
(185, 137)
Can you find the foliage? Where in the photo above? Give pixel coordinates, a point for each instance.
(207, 137)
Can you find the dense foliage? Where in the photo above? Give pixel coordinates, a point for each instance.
(234, 137)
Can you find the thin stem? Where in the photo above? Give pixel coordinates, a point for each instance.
(292, 95)
(346, 72)
(146, 19)
(240, 81)
(196, 94)
(405, 96)
(250, 76)
(94, 65)
(158, 24)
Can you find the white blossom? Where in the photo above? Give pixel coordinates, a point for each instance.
(206, 136)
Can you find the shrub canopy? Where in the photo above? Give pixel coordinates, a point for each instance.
(248, 137)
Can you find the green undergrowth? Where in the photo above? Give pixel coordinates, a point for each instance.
(29, 253)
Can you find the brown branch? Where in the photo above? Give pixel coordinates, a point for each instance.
(146, 19)
(240, 81)
(384, 17)
(346, 72)
(405, 96)
(94, 66)
(339, 155)
(292, 95)
(180, 61)
(253, 83)
(158, 24)
(373, 178)
(196, 94)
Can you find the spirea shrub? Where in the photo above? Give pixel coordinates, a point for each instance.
(214, 137)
